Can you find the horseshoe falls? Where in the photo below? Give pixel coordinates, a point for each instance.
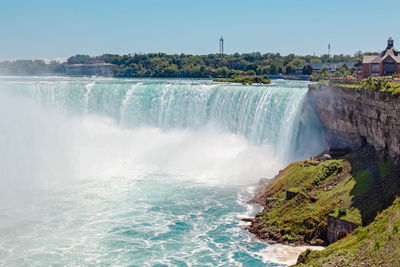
(143, 172)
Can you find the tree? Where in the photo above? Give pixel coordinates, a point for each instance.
(186, 65)
(290, 69)
(250, 73)
(80, 59)
(273, 69)
(307, 69)
(325, 70)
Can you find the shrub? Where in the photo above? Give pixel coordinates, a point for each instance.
(287, 238)
(385, 168)
(327, 170)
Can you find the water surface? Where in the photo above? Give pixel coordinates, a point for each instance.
(142, 172)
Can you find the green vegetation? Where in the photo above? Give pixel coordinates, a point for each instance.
(300, 199)
(319, 85)
(385, 168)
(344, 71)
(348, 214)
(365, 182)
(245, 79)
(287, 238)
(374, 85)
(326, 171)
(214, 65)
(352, 188)
(377, 244)
(191, 66)
(300, 217)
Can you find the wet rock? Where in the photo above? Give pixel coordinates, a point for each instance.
(248, 219)
(277, 236)
(317, 242)
(309, 235)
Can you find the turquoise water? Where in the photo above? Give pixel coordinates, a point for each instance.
(142, 172)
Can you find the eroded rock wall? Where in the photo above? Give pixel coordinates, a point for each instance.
(353, 118)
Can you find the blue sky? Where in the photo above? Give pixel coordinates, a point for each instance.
(61, 28)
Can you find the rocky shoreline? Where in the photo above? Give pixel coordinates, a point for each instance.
(322, 200)
(264, 197)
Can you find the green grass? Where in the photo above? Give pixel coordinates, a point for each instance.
(364, 183)
(373, 245)
(351, 214)
(377, 242)
(350, 85)
(385, 168)
(341, 188)
(327, 170)
(299, 214)
(287, 238)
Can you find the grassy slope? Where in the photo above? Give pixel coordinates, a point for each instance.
(300, 215)
(354, 190)
(377, 244)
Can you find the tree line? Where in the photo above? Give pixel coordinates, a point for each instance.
(183, 65)
(31, 67)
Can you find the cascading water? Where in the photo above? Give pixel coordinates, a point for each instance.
(264, 115)
(105, 171)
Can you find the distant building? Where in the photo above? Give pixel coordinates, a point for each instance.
(332, 67)
(221, 46)
(386, 63)
(90, 69)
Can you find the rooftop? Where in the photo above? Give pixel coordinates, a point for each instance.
(389, 51)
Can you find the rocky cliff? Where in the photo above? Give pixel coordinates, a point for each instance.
(356, 117)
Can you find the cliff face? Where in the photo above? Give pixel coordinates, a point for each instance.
(353, 118)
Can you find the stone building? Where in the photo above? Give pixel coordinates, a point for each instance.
(386, 63)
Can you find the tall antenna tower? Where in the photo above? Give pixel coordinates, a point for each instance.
(221, 45)
(329, 49)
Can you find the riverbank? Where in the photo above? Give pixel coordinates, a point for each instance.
(344, 198)
(286, 254)
(324, 199)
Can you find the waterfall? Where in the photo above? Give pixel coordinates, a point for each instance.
(89, 87)
(98, 171)
(274, 115)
